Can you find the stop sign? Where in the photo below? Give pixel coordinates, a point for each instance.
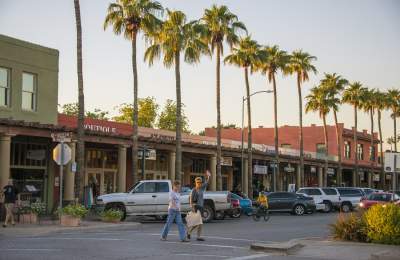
(66, 154)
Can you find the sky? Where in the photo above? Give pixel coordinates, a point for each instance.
(358, 39)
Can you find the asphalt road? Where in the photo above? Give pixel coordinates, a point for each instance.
(226, 239)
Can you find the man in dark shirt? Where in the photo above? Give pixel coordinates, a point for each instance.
(10, 193)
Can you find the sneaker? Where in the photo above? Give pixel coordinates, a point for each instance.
(200, 239)
(188, 236)
(163, 239)
(184, 241)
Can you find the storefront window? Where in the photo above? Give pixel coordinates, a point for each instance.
(200, 165)
(30, 183)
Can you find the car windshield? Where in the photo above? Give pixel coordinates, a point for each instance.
(235, 196)
(380, 197)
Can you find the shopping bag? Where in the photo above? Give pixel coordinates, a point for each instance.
(193, 219)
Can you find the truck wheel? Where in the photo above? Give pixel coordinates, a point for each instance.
(328, 207)
(208, 213)
(219, 215)
(236, 214)
(346, 207)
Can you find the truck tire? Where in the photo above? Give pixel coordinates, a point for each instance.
(346, 207)
(328, 206)
(117, 206)
(208, 213)
(219, 215)
(299, 209)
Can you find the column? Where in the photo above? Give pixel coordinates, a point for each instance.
(171, 166)
(69, 176)
(354, 178)
(121, 168)
(325, 178)
(213, 165)
(370, 176)
(245, 184)
(5, 149)
(298, 177)
(320, 176)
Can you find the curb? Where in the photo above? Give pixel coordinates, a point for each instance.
(384, 255)
(285, 248)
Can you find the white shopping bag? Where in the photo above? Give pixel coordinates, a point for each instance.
(193, 219)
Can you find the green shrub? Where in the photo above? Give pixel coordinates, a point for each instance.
(111, 215)
(383, 224)
(349, 227)
(38, 208)
(77, 210)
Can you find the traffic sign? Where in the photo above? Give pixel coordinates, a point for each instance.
(61, 137)
(62, 157)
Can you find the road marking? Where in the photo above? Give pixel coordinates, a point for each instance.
(80, 238)
(207, 245)
(249, 257)
(219, 256)
(221, 238)
(29, 249)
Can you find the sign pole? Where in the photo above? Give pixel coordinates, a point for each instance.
(394, 175)
(61, 173)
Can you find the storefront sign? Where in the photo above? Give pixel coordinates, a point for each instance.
(260, 169)
(73, 167)
(151, 154)
(61, 137)
(163, 137)
(100, 128)
(57, 181)
(392, 162)
(292, 187)
(226, 161)
(289, 168)
(313, 169)
(331, 171)
(37, 155)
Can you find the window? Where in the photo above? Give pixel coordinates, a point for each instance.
(146, 187)
(321, 148)
(347, 149)
(200, 165)
(372, 153)
(350, 193)
(329, 191)
(4, 87)
(29, 89)
(360, 152)
(286, 145)
(314, 192)
(162, 187)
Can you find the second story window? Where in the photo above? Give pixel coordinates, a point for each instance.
(347, 149)
(4, 87)
(372, 153)
(29, 89)
(360, 152)
(321, 148)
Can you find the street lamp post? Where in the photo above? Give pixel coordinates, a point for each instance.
(242, 132)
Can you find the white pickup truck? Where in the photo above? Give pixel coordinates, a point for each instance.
(150, 198)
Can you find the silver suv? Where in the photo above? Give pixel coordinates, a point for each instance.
(349, 198)
(327, 198)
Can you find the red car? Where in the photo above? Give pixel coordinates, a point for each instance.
(379, 198)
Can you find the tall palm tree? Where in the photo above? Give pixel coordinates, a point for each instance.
(177, 36)
(275, 60)
(368, 105)
(394, 105)
(336, 84)
(130, 17)
(80, 151)
(353, 95)
(301, 65)
(222, 26)
(246, 55)
(380, 105)
(318, 101)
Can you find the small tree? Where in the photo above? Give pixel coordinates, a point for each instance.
(167, 118)
(147, 112)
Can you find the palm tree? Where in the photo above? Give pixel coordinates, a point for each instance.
(274, 61)
(175, 36)
(301, 65)
(222, 26)
(368, 105)
(80, 151)
(130, 17)
(318, 101)
(390, 141)
(336, 84)
(246, 55)
(394, 105)
(380, 105)
(353, 95)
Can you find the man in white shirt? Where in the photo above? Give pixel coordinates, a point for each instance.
(174, 213)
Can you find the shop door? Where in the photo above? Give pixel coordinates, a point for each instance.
(94, 181)
(109, 182)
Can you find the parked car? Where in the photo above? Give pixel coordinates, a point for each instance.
(290, 202)
(245, 204)
(326, 199)
(397, 192)
(235, 210)
(150, 198)
(368, 191)
(349, 198)
(378, 198)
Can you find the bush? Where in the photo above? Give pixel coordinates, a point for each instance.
(78, 211)
(111, 215)
(38, 208)
(383, 224)
(351, 227)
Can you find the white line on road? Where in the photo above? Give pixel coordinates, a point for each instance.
(207, 245)
(249, 257)
(29, 249)
(80, 238)
(218, 256)
(221, 238)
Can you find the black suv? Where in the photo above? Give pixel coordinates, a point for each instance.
(290, 202)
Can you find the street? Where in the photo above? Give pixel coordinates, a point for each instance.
(225, 239)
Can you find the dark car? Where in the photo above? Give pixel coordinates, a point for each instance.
(290, 202)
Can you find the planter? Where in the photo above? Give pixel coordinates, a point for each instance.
(70, 221)
(28, 218)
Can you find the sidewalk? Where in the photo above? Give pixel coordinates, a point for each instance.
(51, 226)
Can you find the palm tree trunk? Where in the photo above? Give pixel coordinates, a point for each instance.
(371, 111)
(135, 113)
(355, 176)
(326, 149)
(339, 150)
(382, 177)
(249, 140)
(394, 131)
(218, 71)
(276, 137)
(178, 158)
(81, 104)
(301, 130)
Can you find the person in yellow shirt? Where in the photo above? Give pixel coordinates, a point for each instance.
(262, 200)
